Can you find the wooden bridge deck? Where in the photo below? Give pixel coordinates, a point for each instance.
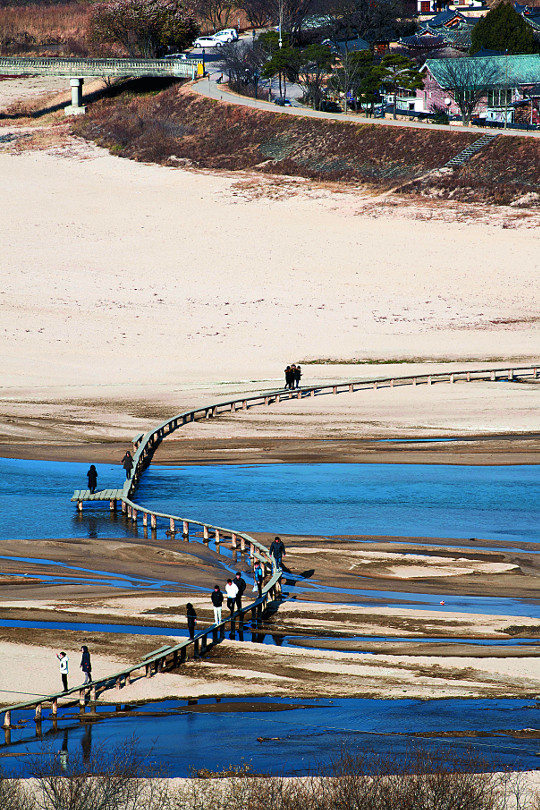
(103, 495)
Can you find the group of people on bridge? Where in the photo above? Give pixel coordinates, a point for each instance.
(86, 666)
(92, 474)
(234, 589)
(293, 375)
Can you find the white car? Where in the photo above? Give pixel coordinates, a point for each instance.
(227, 34)
(208, 42)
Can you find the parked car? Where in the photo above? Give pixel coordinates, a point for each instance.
(227, 34)
(283, 102)
(330, 106)
(208, 42)
(175, 56)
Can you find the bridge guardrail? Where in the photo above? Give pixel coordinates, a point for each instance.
(145, 446)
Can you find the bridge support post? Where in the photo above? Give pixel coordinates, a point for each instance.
(76, 107)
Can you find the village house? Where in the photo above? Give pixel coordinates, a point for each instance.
(514, 93)
(447, 29)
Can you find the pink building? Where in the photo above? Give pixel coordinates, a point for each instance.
(514, 91)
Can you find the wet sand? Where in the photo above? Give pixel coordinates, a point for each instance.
(343, 663)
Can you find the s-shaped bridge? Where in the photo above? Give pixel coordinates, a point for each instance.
(79, 69)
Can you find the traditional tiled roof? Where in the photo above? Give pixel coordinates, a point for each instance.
(446, 19)
(511, 71)
(426, 39)
(529, 14)
(459, 39)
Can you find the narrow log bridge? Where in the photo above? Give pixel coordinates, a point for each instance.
(144, 446)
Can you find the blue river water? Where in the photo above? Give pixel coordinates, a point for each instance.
(292, 741)
(419, 500)
(440, 501)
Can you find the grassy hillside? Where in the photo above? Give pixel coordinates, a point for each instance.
(177, 126)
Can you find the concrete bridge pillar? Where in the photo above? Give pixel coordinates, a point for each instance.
(76, 106)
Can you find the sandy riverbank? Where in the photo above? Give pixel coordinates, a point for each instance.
(131, 291)
(325, 574)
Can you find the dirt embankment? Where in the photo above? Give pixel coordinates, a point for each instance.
(177, 128)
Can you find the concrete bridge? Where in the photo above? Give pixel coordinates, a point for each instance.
(79, 69)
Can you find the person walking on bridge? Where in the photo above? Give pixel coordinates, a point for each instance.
(92, 479)
(240, 583)
(127, 464)
(86, 665)
(277, 550)
(232, 591)
(191, 619)
(258, 575)
(217, 602)
(64, 666)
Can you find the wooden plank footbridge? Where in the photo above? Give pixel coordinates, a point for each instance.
(79, 69)
(144, 445)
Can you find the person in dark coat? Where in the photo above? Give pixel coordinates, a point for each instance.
(92, 479)
(191, 619)
(288, 377)
(241, 585)
(86, 664)
(277, 550)
(127, 464)
(217, 602)
(297, 376)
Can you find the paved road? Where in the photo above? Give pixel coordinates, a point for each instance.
(209, 87)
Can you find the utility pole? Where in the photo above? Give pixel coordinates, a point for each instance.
(280, 22)
(506, 88)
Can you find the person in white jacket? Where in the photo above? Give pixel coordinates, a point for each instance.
(232, 592)
(64, 666)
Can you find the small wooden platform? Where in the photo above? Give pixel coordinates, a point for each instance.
(103, 495)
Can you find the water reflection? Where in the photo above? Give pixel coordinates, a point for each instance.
(306, 732)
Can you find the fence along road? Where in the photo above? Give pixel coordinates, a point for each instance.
(144, 445)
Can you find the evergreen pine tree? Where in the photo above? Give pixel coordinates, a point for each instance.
(503, 29)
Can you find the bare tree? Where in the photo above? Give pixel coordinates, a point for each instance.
(104, 780)
(258, 12)
(364, 18)
(243, 62)
(467, 81)
(216, 13)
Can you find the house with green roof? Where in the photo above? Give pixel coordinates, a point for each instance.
(512, 86)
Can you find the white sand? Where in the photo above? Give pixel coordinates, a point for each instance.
(117, 273)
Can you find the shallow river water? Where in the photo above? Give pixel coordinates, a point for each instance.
(280, 735)
(490, 503)
(418, 500)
